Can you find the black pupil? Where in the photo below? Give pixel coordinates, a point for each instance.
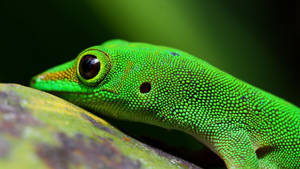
(145, 87)
(89, 66)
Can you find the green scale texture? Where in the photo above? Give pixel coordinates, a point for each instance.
(246, 126)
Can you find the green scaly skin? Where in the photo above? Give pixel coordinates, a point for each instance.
(246, 126)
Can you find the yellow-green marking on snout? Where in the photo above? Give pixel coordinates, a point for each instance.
(246, 126)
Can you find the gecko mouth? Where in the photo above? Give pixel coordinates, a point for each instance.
(56, 93)
(61, 93)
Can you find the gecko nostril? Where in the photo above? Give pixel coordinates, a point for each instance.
(32, 82)
(36, 79)
(145, 87)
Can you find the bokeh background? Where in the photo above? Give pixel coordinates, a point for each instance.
(253, 40)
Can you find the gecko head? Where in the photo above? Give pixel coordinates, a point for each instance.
(118, 79)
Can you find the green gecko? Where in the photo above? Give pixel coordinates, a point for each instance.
(244, 125)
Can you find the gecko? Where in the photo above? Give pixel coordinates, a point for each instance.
(245, 126)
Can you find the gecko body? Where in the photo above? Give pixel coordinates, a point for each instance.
(244, 125)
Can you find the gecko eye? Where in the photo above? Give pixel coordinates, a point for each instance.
(145, 87)
(92, 66)
(89, 66)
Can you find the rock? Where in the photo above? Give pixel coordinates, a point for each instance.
(39, 130)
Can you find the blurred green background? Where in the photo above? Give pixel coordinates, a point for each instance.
(253, 40)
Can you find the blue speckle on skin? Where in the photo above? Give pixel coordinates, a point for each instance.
(174, 53)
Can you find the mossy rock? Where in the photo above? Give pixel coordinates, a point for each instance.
(39, 130)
